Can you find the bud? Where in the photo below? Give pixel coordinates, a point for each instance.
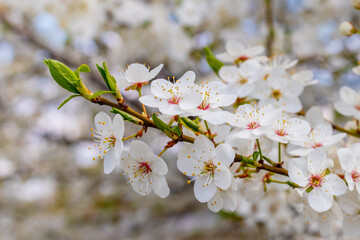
(356, 4)
(347, 29)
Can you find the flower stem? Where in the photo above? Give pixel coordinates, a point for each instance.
(258, 145)
(129, 137)
(143, 106)
(164, 150)
(279, 149)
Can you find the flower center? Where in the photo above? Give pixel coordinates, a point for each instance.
(280, 132)
(316, 145)
(315, 181)
(355, 175)
(209, 167)
(276, 94)
(357, 106)
(174, 100)
(204, 105)
(241, 59)
(243, 81)
(144, 168)
(253, 125)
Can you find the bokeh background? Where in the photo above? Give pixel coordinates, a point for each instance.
(50, 188)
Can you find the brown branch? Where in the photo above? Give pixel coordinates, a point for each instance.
(270, 26)
(148, 122)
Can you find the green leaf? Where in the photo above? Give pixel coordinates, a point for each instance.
(192, 125)
(82, 68)
(68, 99)
(160, 124)
(63, 75)
(98, 93)
(213, 62)
(176, 130)
(127, 117)
(255, 155)
(108, 78)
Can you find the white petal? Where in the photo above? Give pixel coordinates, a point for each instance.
(109, 161)
(191, 100)
(203, 148)
(161, 88)
(137, 73)
(235, 48)
(344, 108)
(298, 171)
(351, 224)
(155, 71)
(118, 149)
(303, 76)
(118, 127)
(171, 109)
(151, 101)
(317, 161)
(254, 51)
(224, 154)
(223, 100)
(349, 96)
(216, 203)
(216, 116)
(160, 186)
(157, 165)
(102, 122)
(140, 150)
(222, 177)
(334, 185)
(346, 158)
(319, 200)
(187, 161)
(204, 192)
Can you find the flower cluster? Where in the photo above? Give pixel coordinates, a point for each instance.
(244, 134)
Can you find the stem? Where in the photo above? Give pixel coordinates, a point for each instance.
(270, 26)
(279, 152)
(270, 161)
(341, 129)
(291, 184)
(258, 145)
(143, 106)
(164, 150)
(131, 136)
(207, 127)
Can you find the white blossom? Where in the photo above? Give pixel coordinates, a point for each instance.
(350, 161)
(109, 135)
(253, 120)
(238, 52)
(137, 75)
(312, 174)
(214, 96)
(349, 104)
(173, 98)
(241, 80)
(146, 171)
(209, 166)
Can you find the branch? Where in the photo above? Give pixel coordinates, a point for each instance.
(149, 123)
(270, 26)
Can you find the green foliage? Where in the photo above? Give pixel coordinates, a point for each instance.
(126, 116)
(98, 93)
(174, 132)
(108, 78)
(68, 99)
(255, 155)
(213, 62)
(63, 75)
(82, 68)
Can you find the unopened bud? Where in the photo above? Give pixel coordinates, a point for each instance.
(347, 29)
(356, 4)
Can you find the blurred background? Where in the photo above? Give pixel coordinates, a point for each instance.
(50, 186)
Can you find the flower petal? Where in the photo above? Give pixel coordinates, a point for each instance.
(224, 154)
(160, 186)
(298, 171)
(319, 200)
(203, 191)
(109, 161)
